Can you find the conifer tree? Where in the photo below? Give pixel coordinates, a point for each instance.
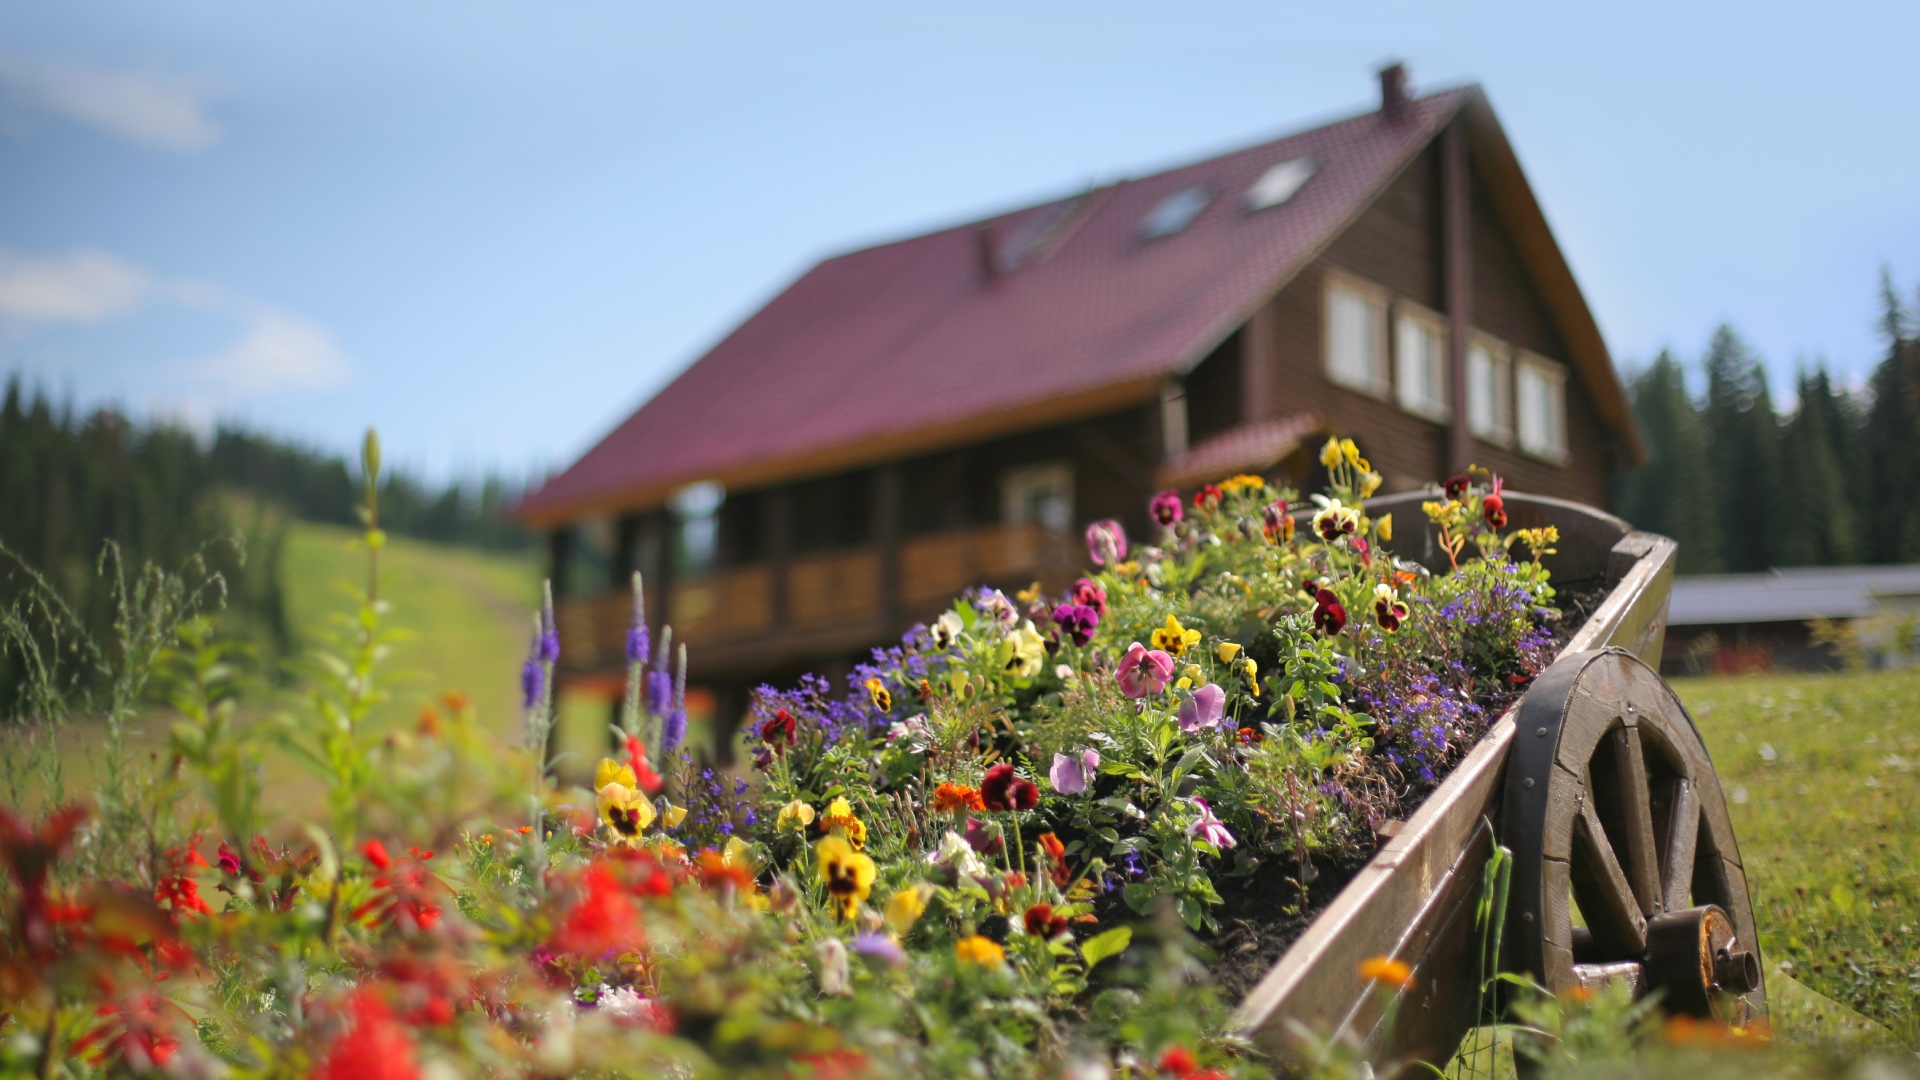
(1669, 494)
(1743, 446)
(1893, 436)
(1824, 526)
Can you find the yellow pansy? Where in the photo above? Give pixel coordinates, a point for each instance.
(736, 853)
(848, 874)
(905, 907)
(610, 771)
(795, 815)
(626, 811)
(1226, 651)
(1352, 453)
(882, 700)
(1029, 594)
(1251, 672)
(840, 819)
(1330, 453)
(1383, 529)
(1369, 481)
(1023, 653)
(1194, 675)
(674, 815)
(978, 950)
(1175, 639)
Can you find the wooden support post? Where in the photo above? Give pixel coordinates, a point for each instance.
(888, 483)
(779, 504)
(1456, 228)
(1257, 362)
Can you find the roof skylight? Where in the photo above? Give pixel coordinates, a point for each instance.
(1278, 183)
(1175, 212)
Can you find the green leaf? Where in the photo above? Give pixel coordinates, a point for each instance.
(1191, 912)
(1101, 946)
(1139, 897)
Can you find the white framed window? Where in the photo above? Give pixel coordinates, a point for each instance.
(1420, 362)
(1490, 390)
(1540, 389)
(1038, 495)
(1356, 340)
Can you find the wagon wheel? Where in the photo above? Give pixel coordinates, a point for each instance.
(1612, 802)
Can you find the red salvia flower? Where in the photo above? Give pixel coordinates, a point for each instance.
(376, 1046)
(637, 758)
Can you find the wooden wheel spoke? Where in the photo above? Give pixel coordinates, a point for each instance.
(1636, 815)
(1601, 887)
(1683, 839)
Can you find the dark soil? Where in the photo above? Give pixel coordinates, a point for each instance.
(1262, 914)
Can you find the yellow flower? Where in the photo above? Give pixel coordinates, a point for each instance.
(1126, 569)
(625, 811)
(848, 874)
(1194, 675)
(1243, 481)
(1183, 683)
(1370, 481)
(735, 853)
(1383, 529)
(795, 815)
(674, 816)
(1174, 638)
(1029, 594)
(1226, 651)
(904, 908)
(1352, 453)
(979, 950)
(1024, 652)
(610, 771)
(877, 690)
(1392, 972)
(840, 819)
(1251, 672)
(1330, 453)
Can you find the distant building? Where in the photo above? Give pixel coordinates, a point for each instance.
(1800, 619)
(954, 408)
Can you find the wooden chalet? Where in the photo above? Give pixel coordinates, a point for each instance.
(951, 409)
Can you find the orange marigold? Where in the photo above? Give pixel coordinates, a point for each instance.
(949, 797)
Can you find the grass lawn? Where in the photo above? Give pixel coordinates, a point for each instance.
(1820, 773)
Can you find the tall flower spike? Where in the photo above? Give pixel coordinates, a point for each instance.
(549, 628)
(638, 644)
(532, 678)
(673, 729)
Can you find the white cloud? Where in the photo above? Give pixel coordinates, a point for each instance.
(152, 111)
(278, 351)
(78, 287)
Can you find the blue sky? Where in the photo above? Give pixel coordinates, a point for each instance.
(493, 229)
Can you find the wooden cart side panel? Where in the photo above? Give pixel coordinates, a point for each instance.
(1400, 904)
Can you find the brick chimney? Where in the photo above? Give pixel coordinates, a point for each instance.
(1393, 90)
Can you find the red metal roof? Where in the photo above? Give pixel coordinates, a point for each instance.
(908, 345)
(1248, 448)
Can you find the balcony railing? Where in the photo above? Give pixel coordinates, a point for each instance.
(763, 615)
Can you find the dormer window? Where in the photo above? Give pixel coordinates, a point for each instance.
(1175, 212)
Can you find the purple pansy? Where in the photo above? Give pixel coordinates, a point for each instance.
(1077, 620)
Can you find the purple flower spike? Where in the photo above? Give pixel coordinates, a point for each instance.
(1143, 671)
(1203, 708)
(550, 646)
(1106, 542)
(659, 691)
(1077, 620)
(638, 645)
(532, 681)
(673, 729)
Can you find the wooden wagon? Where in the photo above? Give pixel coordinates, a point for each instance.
(1598, 783)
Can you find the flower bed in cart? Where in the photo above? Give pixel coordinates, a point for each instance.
(1044, 835)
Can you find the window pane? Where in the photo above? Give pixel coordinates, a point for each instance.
(1480, 390)
(1350, 344)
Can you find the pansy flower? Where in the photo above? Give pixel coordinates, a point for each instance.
(1001, 790)
(1329, 615)
(624, 809)
(1071, 773)
(1040, 921)
(1106, 542)
(840, 818)
(1088, 593)
(1335, 521)
(1456, 486)
(1078, 621)
(778, 730)
(945, 631)
(1203, 708)
(877, 692)
(847, 873)
(1023, 652)
(1388, 609)
(1143, 671)
(1494, 506)
(1166, 508)
(1174, 638)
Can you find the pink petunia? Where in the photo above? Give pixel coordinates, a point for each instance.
(1210, 828)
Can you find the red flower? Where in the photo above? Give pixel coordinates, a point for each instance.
(405, 895)
(1165, 507)
(1250, 736)
(229, 860)
(1041, 922)
(1494, 507)
(637, 758)
(179, 894)
(1178, 1061)
(375, 1047)
(376, 853)
(1457, 485)
(1001, 790)
(1088, 593)
(778, 731)
(1056, 854)
(1207, 497)
(1329, 616)
(605, 922)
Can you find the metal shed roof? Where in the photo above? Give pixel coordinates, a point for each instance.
(1843, 592)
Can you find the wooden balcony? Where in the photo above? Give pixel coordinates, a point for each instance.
(747, 619)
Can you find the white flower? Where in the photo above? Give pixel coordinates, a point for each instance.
(958, 855)
(946, 630)
(624, 1005)
(914, 730)
(833, 966)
